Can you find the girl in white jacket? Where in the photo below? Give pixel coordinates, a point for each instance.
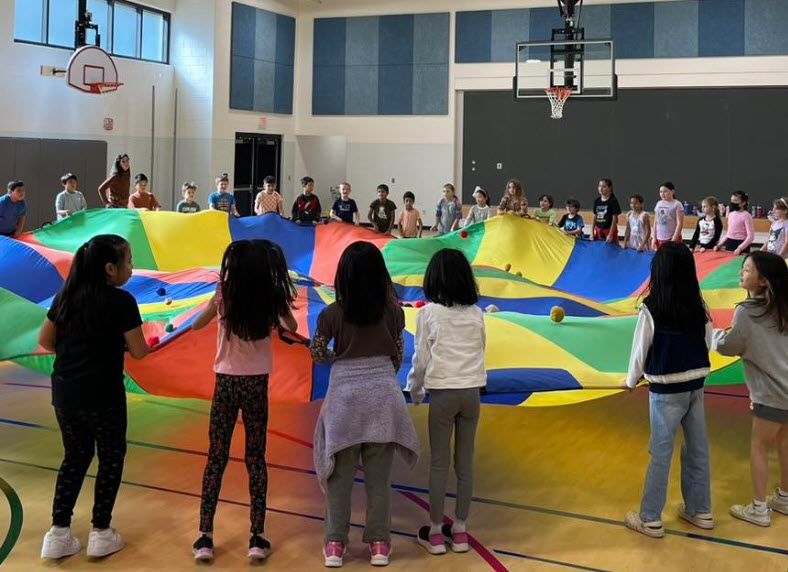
(449, 362)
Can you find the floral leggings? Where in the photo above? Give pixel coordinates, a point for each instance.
(249, 393)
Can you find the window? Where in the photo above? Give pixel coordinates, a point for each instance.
(124, 28)
(154, 36)
(28, 21)
(100, 11)
(62, 15)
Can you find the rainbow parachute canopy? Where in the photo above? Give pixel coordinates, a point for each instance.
(523, 267)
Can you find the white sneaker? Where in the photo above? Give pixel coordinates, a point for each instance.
(778, 502)
(104, 542)
(59, 543)
(749, 514)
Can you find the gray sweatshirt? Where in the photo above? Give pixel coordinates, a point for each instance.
(764, 351)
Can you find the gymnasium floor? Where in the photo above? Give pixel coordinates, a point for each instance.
(552, 487)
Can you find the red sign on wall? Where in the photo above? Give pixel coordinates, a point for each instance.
(109, 124)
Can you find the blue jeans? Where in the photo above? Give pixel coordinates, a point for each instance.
(667, 411)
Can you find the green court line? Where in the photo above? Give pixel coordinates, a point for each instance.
(17, 517)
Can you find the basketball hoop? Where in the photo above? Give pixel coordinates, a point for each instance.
(104, 86)
(558, 97)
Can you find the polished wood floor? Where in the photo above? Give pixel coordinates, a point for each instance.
(552, 487)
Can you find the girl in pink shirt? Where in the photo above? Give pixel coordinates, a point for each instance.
(254, 296)
(740, 233)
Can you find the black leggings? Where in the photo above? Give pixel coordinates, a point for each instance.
(83, 433)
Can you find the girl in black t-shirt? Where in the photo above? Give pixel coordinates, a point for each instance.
(91, 323)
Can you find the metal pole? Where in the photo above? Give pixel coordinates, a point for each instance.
(174, 148)
(152, 133)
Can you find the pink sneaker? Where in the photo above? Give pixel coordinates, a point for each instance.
(334, 551)
(379, 553)
(457, 540)
(433, 543)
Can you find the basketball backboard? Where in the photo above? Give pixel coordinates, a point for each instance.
(588, 67)
(92, 70)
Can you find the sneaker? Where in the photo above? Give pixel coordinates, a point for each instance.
(653, 529)
(380, 552)
(104, 542)
(433, 543)
(778, 502)
(59, 543)
(748, 513)
(203, 548)
(334, 551)
(458, 541)
(702, 520)
(259, 548)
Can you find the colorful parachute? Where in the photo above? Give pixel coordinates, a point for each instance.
(523, 267)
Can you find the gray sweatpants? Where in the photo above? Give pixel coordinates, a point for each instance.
(376, 458)
(452, 410)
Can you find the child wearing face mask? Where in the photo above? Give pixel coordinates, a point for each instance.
(740, 233)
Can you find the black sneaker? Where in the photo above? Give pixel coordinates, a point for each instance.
(259, 548)
(203, 548)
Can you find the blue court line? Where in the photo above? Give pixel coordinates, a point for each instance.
(195, 495)
(548, 561)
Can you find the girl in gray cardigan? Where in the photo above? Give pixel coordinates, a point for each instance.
(759, 335)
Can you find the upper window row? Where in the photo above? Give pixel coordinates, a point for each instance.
(125, 29)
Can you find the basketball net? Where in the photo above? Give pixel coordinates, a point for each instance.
(105, 86)
(558, 97)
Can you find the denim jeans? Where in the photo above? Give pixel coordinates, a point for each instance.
(667, 411)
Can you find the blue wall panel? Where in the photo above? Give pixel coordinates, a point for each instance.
(509, 27)
(361, 47)
(472, 39)
(361, 91)
(430, 89)
(632, 26)
(285, 40)
(241, 83)
(263, 85)
(765, 27)
(721, 28)
(283, 89)
(542, 21)
(243, 33)
(262, 61)
(676, 29)
(596, 21)
(396, 40)
(431, 38)
(329, 42)
(395, 89)
(265, 36)
(328, 90)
